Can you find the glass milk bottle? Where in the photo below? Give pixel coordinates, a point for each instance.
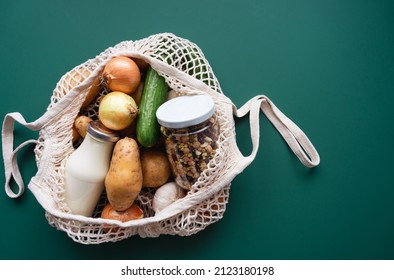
(86, 169)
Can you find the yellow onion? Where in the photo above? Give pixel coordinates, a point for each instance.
(117, 110)
(134, 212)
(122, 74)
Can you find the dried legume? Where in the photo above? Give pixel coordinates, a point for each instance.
(190, 149)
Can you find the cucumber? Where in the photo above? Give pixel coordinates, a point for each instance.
(153, 95)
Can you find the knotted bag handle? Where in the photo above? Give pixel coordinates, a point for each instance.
(10, 154)
(291, 133)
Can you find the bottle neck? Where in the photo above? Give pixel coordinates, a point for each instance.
(96, 145)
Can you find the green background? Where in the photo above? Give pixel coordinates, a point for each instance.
(328, 65)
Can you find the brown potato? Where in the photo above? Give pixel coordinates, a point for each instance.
(123, 182)
(81, 123)
(92, 94)
(155, 168)
(142, 64)
(77, 76)
(75, 134)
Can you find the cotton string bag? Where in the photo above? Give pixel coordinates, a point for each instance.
(186, 70)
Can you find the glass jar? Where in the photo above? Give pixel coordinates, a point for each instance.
(189, 124)
(86, 169)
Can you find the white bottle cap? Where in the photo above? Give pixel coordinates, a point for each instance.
(185, 111)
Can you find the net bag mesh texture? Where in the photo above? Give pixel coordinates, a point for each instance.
(186, 70)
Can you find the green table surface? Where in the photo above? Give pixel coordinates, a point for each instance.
(328, 65)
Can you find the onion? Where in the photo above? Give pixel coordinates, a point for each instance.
(131, 213)
(117, 110)
(121, 73)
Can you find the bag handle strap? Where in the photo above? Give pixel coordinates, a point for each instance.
(291, 133)
(10, 155)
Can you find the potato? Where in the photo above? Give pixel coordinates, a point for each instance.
(142, 64)
(155, 168)
(77, 76)
(81, 123)
(123, 181)
(75, 134)
(92, 94)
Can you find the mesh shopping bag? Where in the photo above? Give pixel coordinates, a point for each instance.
(186, 70)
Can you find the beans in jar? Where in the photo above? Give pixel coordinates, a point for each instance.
(191, 130)
(190, 149)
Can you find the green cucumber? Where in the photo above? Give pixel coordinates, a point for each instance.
(153, 95)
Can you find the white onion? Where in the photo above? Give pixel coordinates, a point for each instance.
(117, 110)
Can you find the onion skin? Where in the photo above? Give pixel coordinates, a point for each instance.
(117, 110)
(131, 213)
(121, 73)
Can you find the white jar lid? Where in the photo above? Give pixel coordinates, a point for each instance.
(185, 111)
